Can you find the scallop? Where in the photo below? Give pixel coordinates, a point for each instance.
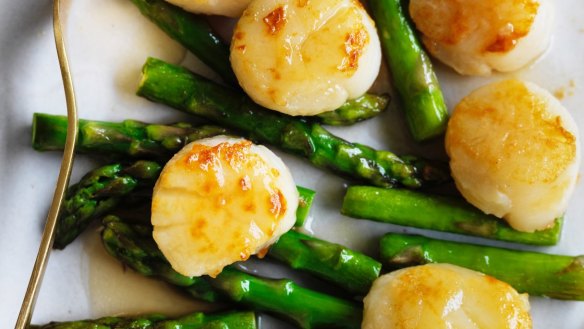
(443, 296)
(477, 37)
(304, 57)
(514, 153)
(229, 8)
(218, 201)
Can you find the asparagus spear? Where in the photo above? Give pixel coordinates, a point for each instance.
(129, 138)
(132, 138)
(441, 213)
(102, 189)
(193, 32)
(304, 205)
(196, 35)
(96, 193)
(538, 274)
(188, 92)
(349, 269)
(355, 110)
(133, 245)
(414, 79)
(231, 320)
(337, 264)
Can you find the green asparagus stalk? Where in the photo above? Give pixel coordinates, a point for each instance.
(188, 92)
(102, 189)
(349, 269)
(230, 320)
(192, 32)
(537, 274)
(98, 192)
(413, 76)
(134, 246)
(440, 213)
(282, 297)
(306, 197)
(355, 110)
(195, 34)
(334, 263)
(130, 138)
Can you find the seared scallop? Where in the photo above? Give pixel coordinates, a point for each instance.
(443, 296)
(304, 57)
(514, 153)
(477, 37)
(229, 8)
(218, 201)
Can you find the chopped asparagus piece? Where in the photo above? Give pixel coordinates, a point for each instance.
(188, 92)
(193, 32)
(440, 213)
(129, 138)
(537, 274)
(98, 192)
(133, 245)
(231, 320)
(337, 264)
(349, 269)
(412, 72)
(355, 110)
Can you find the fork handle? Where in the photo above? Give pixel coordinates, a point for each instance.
(40, 265)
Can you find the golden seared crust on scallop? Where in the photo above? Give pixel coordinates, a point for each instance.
(476, 37)
(305, 57)
(220, 200)
(443, 296)
(514, 152)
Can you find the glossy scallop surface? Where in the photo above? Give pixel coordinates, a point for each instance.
(443, 296)
(220, 200)
(514, 152)
(304, 57)
(478, 37)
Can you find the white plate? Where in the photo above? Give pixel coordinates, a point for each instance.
(108, 42)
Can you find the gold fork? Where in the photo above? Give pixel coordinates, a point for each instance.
(40, 265)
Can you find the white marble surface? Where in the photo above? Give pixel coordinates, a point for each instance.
(108, 42)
